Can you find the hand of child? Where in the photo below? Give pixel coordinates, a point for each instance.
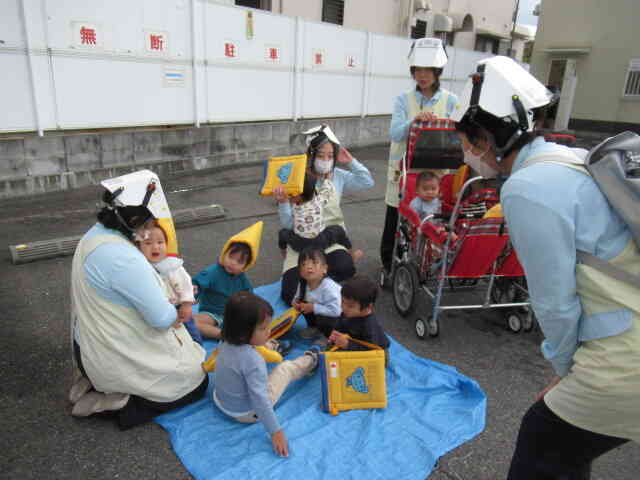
(184, 312)
(339, 339)
(306, 307)
(280, 445)
(280, 195)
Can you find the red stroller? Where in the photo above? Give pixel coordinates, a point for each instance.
(468, 252)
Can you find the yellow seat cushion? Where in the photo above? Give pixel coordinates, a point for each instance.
(287, 172)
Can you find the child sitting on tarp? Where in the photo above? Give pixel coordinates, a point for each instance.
(219, 281)
(358, 319)
(308, 228)
(243, 390)
(427, 199)
(317, 296)
(175, 278)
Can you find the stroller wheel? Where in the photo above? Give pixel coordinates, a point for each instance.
(421, 328)
(528, 320)
(405, 286)
(432, 326)
(514, 321)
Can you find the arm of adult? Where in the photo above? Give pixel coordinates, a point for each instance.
(547, 251)
(122, 274)
(400, 123)
(357, 177)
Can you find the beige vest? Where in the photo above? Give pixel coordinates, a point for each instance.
(120, 351)
(398, 149)
(601, 393)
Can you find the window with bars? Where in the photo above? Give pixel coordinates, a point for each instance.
(420, 30)
(259, 4)
(632, 85)
(333, 11)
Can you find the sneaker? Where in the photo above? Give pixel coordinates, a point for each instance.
(284, 347)
(314, 353)
(310, 333)
(96, 402)
(81, 386)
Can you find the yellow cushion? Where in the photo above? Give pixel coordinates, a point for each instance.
(287, 172)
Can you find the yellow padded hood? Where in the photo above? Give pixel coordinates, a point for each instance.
(250, 236)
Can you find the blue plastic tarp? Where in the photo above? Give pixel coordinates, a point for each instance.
(431, 410)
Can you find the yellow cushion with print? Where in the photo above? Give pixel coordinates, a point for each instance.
(287, 172)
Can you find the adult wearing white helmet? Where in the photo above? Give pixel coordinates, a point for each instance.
(132, 356)
(428, 100)
(591, 322)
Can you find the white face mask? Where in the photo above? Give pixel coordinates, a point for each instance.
(475, 162)
(322, 167)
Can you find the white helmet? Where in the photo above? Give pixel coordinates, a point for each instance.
(427, 52)
(500, 97)
(138, 189)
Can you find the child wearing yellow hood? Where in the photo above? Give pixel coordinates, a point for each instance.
(216, 283)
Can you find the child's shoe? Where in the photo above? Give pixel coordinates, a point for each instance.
(314, 352)
(310, 333)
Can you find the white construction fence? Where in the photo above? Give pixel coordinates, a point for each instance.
(85, 64)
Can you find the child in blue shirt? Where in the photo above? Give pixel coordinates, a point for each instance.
(317, 296)
(427, 201)
(217, 283)
(243, 389)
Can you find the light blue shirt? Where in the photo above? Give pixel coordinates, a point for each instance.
(423, 208)
(358, 177)
(552, 211)
(400, 121)
(122, 275)
(242, 384)
(326, 298)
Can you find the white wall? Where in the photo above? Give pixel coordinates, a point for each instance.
(57, 82)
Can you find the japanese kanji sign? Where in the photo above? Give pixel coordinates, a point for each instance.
(351, 61)
(86, 35)
(156, 42)
(230, 49)
(272, 53)
(318, 58)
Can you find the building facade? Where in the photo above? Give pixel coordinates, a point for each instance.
(590, 50)
(469, 24)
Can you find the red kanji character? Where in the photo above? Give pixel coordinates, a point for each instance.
(87, 36)
(273, 53)
(318, 59)
(156, 42)
(229, 50)
(351, 62)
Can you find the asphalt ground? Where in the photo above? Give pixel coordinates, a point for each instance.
(40, 439)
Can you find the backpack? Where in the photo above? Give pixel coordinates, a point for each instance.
(614, 164)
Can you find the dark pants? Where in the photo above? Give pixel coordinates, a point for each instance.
(326, 325)
(326, 238)
(549, 448)
(340, 265)
(388, 237)
(139, 410)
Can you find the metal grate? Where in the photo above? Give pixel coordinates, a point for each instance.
(333, 11)
(64, 246)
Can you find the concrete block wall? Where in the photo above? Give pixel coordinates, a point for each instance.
(60, 161)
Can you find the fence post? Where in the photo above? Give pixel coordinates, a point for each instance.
(32, 80)
(194, 65)
(298, 64)
(368, 53)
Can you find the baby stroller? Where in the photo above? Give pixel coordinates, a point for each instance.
(465, 253)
